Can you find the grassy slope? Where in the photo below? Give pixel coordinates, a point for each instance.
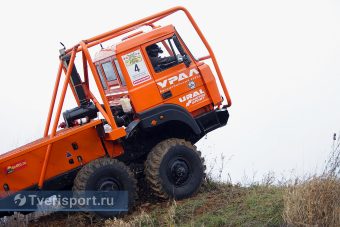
(215, 205)
(226, 205)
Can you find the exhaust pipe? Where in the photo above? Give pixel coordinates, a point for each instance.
(76, 81)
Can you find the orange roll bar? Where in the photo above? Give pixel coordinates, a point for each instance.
(109, 115)
(149, 21)
(54, 96)
(99, 107)
(204, 58)
(56, 120)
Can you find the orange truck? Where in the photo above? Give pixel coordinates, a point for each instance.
(156, 101)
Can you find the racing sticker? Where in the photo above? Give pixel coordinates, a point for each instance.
(136, 67)
(16, 166)
(193, 97)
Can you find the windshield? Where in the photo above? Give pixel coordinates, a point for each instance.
(109, 72)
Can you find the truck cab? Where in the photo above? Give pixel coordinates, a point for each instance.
(127, 69)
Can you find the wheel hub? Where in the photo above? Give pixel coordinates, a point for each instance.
(179, 170)
(108, 185)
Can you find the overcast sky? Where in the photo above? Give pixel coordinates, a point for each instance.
(280, 60)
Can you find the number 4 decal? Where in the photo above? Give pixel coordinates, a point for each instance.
(136, 68)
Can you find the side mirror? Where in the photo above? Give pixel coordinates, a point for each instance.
(179, 58)
(186, 58)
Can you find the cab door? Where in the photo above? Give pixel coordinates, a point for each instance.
(179, 81)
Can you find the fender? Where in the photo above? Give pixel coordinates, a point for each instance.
(165, 113)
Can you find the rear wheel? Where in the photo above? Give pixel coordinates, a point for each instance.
(174, 169)
(107, 174)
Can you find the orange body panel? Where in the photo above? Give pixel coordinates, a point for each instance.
(193, 99)
(210, 83)
(144, 95)
(26, 161)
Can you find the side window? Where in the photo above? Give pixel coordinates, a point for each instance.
(120, 74)
(109, 72)
(166, 54)
(101, 77)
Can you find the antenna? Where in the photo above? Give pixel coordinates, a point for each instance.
(62, 45)
(62, 50)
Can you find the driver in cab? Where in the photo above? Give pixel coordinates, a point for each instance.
(160, 63)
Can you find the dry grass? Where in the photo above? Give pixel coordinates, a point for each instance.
(142, 219)
(315, 202)
(332, 166)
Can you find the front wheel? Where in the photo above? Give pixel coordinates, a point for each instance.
(174, 169)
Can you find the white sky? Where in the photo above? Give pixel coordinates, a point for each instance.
(280, 60)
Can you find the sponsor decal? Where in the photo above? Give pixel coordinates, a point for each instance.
(191, 84)
(177, 79)
(136, 67)
(16, 166)
(193, 97)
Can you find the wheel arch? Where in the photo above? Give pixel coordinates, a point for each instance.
(168, 116)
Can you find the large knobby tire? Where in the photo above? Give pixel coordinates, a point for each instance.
(104, 173)
(174, 169)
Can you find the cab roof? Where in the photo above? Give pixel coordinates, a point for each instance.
(105, 53)
(133, 42)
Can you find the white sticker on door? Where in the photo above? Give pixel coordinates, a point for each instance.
(136, 67)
